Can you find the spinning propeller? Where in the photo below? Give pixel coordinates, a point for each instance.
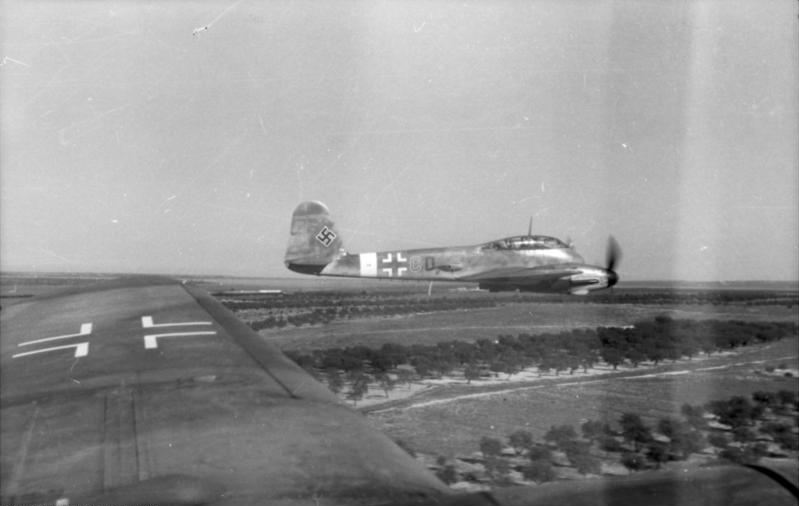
(612, 257)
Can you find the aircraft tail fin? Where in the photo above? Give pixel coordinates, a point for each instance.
(314, 241)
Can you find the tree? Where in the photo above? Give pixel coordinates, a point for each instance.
(593, 429)
(735, 411)
(334, 380)
(490, 446)
(447, 473)
(688, 442)
(560, 434)
(746, 455)
(743, 434)
(787, 397)
(684, 439)
(539, 452)
(633, 461)
(610, 444)
(657, 452)
(586, 464)
(520, 440)
(718, 440)
(359, 385)
(497, 467)
(539, 471)
(471, 372)
(766, 399)
(385, 381)
(404, 376)
(612, 356)
(781, 432)
(634, 430)
(635, 356)
(694, 415)
(578, 454)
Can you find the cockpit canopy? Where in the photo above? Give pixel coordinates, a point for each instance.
(526, 242)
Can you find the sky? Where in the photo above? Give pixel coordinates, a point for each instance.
(134, 139)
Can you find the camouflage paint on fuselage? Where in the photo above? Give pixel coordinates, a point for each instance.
(529, 262)
(445, 264)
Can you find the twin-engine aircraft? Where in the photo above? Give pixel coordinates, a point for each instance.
(527, 263)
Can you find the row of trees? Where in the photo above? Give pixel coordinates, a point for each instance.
(314, 308)
(333, 310)
(669, 339)
(641, 446)
(654, 341)
(377, 300)
(676, 297)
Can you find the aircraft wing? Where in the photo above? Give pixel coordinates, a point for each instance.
(149, 391)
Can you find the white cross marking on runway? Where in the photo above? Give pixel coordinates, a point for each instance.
(151, 340)
(81, 350)
(85, 330)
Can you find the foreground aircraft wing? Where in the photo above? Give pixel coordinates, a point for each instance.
(146, 391)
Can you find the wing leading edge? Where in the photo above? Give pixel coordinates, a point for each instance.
(152, 392)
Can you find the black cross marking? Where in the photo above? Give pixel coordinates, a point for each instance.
(326, 236)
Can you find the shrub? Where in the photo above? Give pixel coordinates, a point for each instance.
(593, 429)
(490, 446)
(560, 434)
(745, 455)
(540, 453)
(718, 440)
(634, 430)
(447, 474)
(497, 467)
(539, 471)
(657, 452)
(520, 440)
(611, 444)
(633, 461)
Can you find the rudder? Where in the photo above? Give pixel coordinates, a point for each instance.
(313, 242)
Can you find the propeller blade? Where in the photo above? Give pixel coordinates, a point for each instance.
(613, 255)
(530, 227)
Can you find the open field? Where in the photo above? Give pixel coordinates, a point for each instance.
(509, 318)
(450, 421)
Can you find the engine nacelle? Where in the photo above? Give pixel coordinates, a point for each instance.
(591, 278)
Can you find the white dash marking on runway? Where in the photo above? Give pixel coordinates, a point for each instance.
(151, 340)
(147, 323)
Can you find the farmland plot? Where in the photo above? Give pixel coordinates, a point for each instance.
(487, 323)
(454, 427)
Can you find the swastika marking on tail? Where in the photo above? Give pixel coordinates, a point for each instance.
(326, 236)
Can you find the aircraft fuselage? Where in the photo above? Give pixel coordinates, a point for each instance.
(455, 263)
